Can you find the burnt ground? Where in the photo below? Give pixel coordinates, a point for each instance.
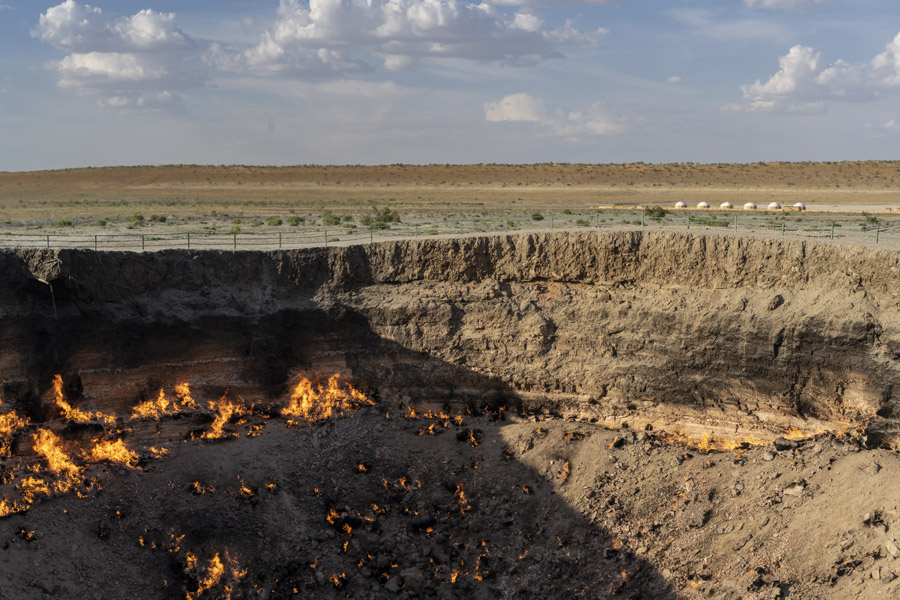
(378, 505)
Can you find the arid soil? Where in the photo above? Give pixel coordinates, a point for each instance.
(194, 190)
(598, 414)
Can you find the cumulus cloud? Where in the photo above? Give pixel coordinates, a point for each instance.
(574, 125)
(676, 80)
(551, 3)
(325, 37)
(782, 4)
(137, 57)
(804, 82)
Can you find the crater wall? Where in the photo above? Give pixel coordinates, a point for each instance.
(674, 329)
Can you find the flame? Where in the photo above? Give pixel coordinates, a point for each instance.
(158, 451)
(311, 402)
(226, 572)
(10, 422)
(183, 393)
(153, 409)
(47, 445)
(225, 409)
(114, 452)
(461, 498)
(74, 414)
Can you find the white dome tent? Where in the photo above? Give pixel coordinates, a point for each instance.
(774, 206)
(726, 205)
(703, 205)
(681, 205)
(800, 206)
(750, 206)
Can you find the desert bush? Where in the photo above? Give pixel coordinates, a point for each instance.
(64, 223)
(537, 216)
(294, 220)
(273, 221)
(235, 229)
(656, 212)
(158, 218)
(330, 219)
(567, 212)
(255, 223)
(582, 222)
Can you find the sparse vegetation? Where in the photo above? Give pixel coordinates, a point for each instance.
(656, 212)
(295, 221)
(330, 219)
(273, 221)
(235, 229)
(537, 216)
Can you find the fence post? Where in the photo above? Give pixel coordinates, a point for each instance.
(48, 242)
(782, 227)
(417, 230)
(279, 240)
(371, 229)
(189, 241)
(142, 243)
(235, 240)
(689, 220)
(95, 243)
(832, 230)
(642, 217)
(877, 230)
(551, 222)
(735, 222)
(506, 223)
(326, 239)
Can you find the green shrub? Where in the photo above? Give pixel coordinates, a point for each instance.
(294, 220)
(582, 222)
(236, 222)
(273, 221)
(159, 218)
(567, 212)
(656, 212)
(330, 219)
(537, 216)
(235, 229)
(64, 223)
(255, 223)
(366, 220)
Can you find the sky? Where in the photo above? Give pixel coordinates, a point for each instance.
(137, 82)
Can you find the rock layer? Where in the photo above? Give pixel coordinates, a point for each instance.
(702, 332)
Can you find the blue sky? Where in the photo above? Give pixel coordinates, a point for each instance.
(422, 81)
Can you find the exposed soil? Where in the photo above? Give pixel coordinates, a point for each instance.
(644, 415)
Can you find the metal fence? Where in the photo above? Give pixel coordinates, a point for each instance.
(809, 225)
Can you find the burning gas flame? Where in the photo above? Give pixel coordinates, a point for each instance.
(153, 409)
(311, 402)
(10, 422)
(114, 452)
(224, 409)
(183, 393)
(74, 414)
(217, 571)
(47, 445)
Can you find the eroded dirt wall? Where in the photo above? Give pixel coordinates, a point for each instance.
(709, 331)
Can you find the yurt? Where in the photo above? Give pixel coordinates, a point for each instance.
(681, 205)
(726, 205)
(703, 205)
(774, 206)
(750, 206)
(800, 206)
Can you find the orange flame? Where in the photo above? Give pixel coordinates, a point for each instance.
(183, 393)
(47, 445)
(9, 423)
(225, 409)
(114, 452)
(74, 414)
(311, 402)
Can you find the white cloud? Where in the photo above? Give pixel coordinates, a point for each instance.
(891, 126)
(804, 83)
(327, 37)
(515, 107)
(782, 4)
(127, 58)
(676, 80)
(552, 3)
(5, 7)
(573, 125)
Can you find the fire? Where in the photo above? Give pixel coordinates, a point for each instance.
(461, 498)
(47, 445)
(226, 572)
(158, 451)
(114, 452)
(312, 402)
(153, 409)
(225, 409)
(74, 414)
(183, 393)
(10, 422)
